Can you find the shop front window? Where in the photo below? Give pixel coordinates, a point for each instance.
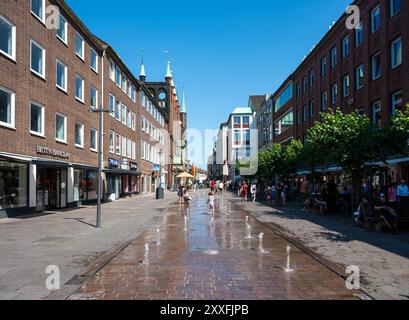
(85, 185)
(92, 185)
(79, 185)
(13, 185)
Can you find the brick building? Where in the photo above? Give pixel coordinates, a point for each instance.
(121, 97)
(363, 69)
(51, 77)
(48, 81)
(153, 139)
(164, 92)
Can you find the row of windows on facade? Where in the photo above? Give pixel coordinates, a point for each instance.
(8, 40)
(150, 107)
(241, 121)
(38, 61)
(118, 77)
(122, 146)
(241, 137)
(37, 121)
(121, 112)
(152, 154)
(286, 122)
(38, 67)
(308, 112)
(396, 103)
(376, 68)
(151, 130)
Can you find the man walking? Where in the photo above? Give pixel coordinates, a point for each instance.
(403, 193)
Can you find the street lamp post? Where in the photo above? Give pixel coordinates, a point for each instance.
(100, 111)
(160, 191)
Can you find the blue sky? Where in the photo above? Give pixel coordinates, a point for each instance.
(221, 51)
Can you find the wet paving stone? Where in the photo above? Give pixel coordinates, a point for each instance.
(203, 259)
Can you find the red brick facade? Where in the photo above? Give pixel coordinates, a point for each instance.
(75, 166)
(391, 80)
(17, 77)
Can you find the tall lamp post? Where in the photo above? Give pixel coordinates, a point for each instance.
(160, 191)
(100, 111)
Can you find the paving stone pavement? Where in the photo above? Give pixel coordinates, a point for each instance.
(383, 258)
(197, 258)
(70, 241)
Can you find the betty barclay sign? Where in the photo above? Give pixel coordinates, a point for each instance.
(53, 152)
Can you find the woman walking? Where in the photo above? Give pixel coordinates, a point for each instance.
(244, 191)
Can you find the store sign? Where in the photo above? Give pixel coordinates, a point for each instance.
(156, 167)
(112, 163)
(53, 152)
(133, 166)
(124, 165)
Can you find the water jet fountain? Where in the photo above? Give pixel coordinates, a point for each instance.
(186, 219)
(158, 237)
(248, 231)
(261, 247)
(288, 265)
(146, 257)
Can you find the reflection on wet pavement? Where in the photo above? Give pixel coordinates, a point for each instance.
(192, 255)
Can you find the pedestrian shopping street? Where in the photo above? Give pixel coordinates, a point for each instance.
(189, 255)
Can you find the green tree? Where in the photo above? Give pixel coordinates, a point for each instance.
(350, 140)
(290, 158)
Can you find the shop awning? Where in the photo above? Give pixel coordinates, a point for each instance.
(50, 163)
(320, 170)
(121, 171)
(84, 167)
(398, 161)
(16, 158)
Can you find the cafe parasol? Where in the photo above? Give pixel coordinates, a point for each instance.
(185, 176)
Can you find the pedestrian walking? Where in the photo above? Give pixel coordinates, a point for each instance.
(253, 191)
(211, 203)
(392, 193)
(244, 192)
(403, 193)
(268, 196)
(212, 185)
(221, 187)
(180, 194)
(284, 191)
(273, 195)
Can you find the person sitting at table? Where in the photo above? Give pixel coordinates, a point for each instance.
(385, 212)
(321, 204)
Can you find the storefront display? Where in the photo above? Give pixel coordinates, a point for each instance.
(13, 185)
(51, 188)
(85, 185)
